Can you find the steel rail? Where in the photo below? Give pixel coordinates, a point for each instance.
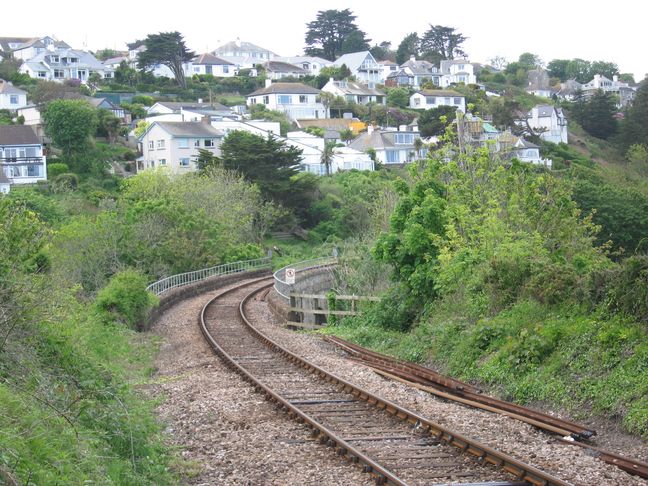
(427, 377)
(483, 453)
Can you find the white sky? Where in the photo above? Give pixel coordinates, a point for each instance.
(589, 29)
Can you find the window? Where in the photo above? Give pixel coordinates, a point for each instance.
(430, 100)
(417, 101)
(183, 143)
(404, 138)
(284, 99)
(13, 99)
(266, 100)
(253, 101)
(31, 152)
(393, 156)
(457, 101)
(55, 59)
(209, 142)
(160, 144)
(225, 69)
(446, 101)
(197, 143)
(42, 74)
(59, 73)
(151, 145)
(303, 99)
(33, 171)
(162, 162)
(184, 162)
(74, 60)
(196, 69)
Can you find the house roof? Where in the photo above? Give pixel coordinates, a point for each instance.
(85, 59)
(526, 144)
(115, 60)
(211, 60)
(5, 41)
(379, 140)
(544, 110)
(240, 46)
(440, 92)
(7, 88)
(187, 105)
(353, 60)
(387, 62)
(353, 88)
(283, 67)
(187, 129)
(444, 66)
(286, 88)
(420, 67)
(302, 59)
(18, 135)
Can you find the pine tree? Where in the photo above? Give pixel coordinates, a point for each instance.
(634, 129)
(598, 115)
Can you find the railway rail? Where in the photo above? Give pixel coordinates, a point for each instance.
(395, 445)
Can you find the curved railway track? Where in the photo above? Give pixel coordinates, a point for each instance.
(395, 445)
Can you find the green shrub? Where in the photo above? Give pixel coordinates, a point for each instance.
(67, 180)
(125, 298)
(625, 288)
(56, 169)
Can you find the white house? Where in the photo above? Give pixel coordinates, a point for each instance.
(177, 107)
(355, 92)
(11, 98)
(312, 147)
(21, 155)
(176, 145)
(529, 152)
(624, 91)
(8, 44)
(363, 66)
(312, 65)
(210, 64)
(296, 100)
(388, 67)
(415, 73)
(426, 99)
(262, 128)
(244, 54)
(456, 72)
(38, 45)
(549, 120)
(276, 70)
(62, 64)
(392, 147)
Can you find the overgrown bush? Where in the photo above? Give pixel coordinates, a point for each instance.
(125, 298)
(56, 169)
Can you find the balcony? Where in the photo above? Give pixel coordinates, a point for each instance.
(24, 170)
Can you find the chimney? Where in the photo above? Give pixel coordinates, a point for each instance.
(402, 128)
(200, 100)
(331, 80)
(268, 83)
(206, 120)
(412, 57)
(615, 78)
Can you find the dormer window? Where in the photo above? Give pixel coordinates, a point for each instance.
(74, 60)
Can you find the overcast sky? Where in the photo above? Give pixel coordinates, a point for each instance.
(592, 30)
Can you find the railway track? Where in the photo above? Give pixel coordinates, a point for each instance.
(395, 445)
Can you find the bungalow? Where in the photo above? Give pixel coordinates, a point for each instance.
(392, 147)
(21, 155)
(11, 98)
(276, 70)
(210, 64)
(363, 66)
(426, 99)
(296, 100)
(312, 65)
(176, 145)
(354, 92)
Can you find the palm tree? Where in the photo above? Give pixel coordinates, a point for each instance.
(327, 156)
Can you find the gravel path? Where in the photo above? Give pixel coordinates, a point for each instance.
(208, 410)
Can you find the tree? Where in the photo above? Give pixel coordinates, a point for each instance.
(398, 97)
(107, 53)
(124, 74)
(206, 160)
(441, 43)
(326, 34)
(409, 46)
(107, 125)
(327, 156)
(498, 62)
(383, 51)
(269, 163)
(434, 121)
(167, 48)
(598, 115)
(355, 42)
(529, 61)
(70, 124)
(347, 135)
(634, 128)
(558, 69)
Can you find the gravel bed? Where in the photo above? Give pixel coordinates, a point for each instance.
(228, 434)
(516, 438)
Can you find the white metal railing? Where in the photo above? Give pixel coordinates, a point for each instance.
(182, 279)
(283, 288)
